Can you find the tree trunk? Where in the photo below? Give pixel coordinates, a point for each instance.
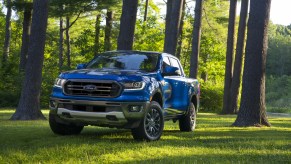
(196, 39)
(168, 18)
(29, 105)
(146, 10)
(127, 25)
(6, 47)
(252, 110)
(68, 43)
(97, 34)
(108, 28)
(180, 34)
(204, 74)
(229, 57)
(171, 34)
(25, 37)
(61, 45)
(235, 84)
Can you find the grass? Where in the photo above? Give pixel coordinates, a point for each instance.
(214, 141)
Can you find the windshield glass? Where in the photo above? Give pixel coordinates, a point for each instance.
(125, 60)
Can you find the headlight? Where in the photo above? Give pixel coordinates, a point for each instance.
(59, 82)
(134, 85)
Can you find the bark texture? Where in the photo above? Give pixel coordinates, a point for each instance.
(235, 84)
(127, 25)
(6, 48)
(29, 105)
(229, 57)
(61, 45)
(180, 34)
(168, 18)
(252, 110)
(25, 37)
(97, 34)
(146, 10)
(68, 42)
(196, 40)
(108, 29)
(172, 29)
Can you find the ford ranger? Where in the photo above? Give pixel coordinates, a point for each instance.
(125, 89)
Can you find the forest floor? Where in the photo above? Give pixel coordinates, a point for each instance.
(214, 141)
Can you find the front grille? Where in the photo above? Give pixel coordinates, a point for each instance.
(92, 88)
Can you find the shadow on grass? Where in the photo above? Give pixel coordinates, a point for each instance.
(213, 134)
(219, 158)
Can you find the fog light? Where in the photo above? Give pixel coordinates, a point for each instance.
(135, 108)
(53, 104)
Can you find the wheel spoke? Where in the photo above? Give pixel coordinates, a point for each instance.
(156, 128)
(151, 112)
(153, 122)
(157, 119)
(147, 125)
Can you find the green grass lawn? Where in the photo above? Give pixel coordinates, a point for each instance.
(214, 141)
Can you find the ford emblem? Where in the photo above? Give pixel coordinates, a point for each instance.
(90, 88)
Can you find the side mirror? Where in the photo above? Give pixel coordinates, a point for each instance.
(81, 66)
(171, 71)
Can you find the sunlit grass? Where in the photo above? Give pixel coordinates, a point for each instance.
(214, 141)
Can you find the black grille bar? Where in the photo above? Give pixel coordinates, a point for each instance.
(92, 88)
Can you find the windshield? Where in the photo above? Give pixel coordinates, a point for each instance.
(125, 60)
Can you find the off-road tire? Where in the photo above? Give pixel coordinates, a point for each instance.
(152, 125)
(187, 123)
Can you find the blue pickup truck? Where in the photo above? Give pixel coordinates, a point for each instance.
(125, 89)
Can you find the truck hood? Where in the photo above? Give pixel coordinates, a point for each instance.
(104, 74)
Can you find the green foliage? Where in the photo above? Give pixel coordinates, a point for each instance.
(278, 94)
(211, 99)
(279, 51)
(213, 141)
(10, 85)
(149, 35)
(278, 82)
(213, 40)
(2, 30)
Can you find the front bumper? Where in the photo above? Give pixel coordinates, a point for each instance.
(100, 113)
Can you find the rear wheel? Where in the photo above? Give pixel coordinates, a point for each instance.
(187, 122)
(63, 129)
(152, 125)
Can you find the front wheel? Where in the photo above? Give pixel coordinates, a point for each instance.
(187, 122)
(63, 129)
(152, 125)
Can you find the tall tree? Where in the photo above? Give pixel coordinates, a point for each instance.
(235, 84)
(172, 27)
(146, 10)
(6, 47)
(108, 28)
(229, 57)
(196, 39)
(127, 25)
(25, 35)
(180, 34)
(63, 9)
(97, 34)
(252, 110)
(168, 18)
(29, 105)
(61, 44)
(68, 42)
